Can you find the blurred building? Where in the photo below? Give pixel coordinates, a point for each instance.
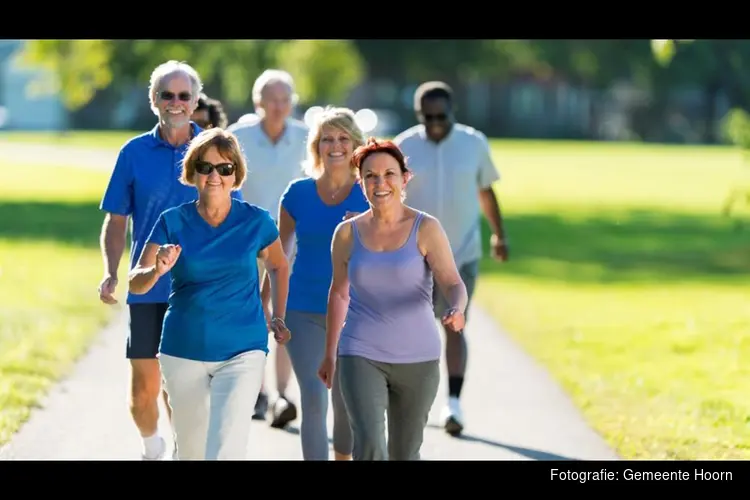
(21, 110)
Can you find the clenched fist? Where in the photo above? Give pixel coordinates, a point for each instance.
(166, 258)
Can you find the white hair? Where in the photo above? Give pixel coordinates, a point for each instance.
(269, 77)
(167, 69)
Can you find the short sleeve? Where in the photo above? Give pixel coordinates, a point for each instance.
(288, 200)
(487, 174)
(118, 197)
(267, 229)
(159, 234)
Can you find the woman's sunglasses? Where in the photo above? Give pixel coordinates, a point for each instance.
(223, 169)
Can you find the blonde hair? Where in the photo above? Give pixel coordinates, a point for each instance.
(228, 147)
(340, 118)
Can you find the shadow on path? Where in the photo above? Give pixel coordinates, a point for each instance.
(526, 452)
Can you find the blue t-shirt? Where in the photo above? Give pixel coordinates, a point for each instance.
(315, 223)
(145, 183)
(215, 309)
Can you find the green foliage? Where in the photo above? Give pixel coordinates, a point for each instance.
(76, 69)
(323, 70)
(736, 128)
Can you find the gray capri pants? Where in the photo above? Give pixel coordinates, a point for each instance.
(406, 391)
(306, 350)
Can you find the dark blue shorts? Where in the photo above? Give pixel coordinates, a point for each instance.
(146, 322)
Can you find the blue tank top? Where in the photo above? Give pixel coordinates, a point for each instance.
(390, 317)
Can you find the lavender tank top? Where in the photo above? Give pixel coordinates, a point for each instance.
(390, 317)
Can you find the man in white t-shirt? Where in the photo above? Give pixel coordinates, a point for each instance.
(453, 178)
(274, 148)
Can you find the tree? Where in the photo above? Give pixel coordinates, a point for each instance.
(323, 70)
(76, 69)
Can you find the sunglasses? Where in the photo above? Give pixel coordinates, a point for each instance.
(168, 96)
(223, 169)
(440, 117)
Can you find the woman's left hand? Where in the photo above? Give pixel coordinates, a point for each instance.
(454, 319)
(280, 331)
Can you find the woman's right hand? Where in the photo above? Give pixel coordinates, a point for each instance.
(327, 370)
(166, 258)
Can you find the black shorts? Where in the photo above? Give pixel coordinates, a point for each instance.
(145, 330)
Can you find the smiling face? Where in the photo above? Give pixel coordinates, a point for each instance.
(214, 174)
(175, 100)
(383, 180)
(335, 148)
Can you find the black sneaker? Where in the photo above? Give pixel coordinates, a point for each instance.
(261, 407)
(283, 412)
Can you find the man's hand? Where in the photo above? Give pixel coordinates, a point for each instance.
(107, 290)
(498, 248)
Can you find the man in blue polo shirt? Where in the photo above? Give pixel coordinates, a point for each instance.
(144, 183)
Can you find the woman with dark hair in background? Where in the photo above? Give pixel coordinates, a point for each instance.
(209, 113)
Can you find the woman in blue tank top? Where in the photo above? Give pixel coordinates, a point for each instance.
(310, 209)
(382, 342)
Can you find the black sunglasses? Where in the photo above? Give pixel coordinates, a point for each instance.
(440, 117)
(223, 169)
(168, 96)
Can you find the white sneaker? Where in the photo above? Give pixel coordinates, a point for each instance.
(160, 455)
(452, 417)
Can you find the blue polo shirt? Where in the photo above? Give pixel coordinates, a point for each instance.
(314, 223)
(145, 183)
(215, 309)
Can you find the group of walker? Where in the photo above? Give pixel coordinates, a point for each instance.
(232, 239)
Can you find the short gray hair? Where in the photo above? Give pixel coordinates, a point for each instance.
(170, 68)
(269, 77)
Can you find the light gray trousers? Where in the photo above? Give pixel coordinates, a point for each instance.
(406, 391)
(306, 350)
(213, 404)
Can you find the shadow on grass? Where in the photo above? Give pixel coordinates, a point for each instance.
(637, 246)
(74, 223)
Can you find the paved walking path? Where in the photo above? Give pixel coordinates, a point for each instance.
(513, 409)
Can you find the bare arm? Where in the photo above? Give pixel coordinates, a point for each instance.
(144, 275)
(287, 225)
(112, 242)
(277, 275)
(437, 250)
(338, 294)
(491, 209)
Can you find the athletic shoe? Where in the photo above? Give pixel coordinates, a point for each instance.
(452, 417)
(283, 411)
(261, 407)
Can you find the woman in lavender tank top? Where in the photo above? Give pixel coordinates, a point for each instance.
(381, 335)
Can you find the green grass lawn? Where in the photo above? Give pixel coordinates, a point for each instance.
(50, 267)
(101, 139)
(627, 283)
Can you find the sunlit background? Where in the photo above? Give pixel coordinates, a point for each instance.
(624, 190)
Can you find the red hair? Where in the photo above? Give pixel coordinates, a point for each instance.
(372, 146)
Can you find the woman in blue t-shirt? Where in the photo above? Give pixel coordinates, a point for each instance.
(310, 209)
(215, 337)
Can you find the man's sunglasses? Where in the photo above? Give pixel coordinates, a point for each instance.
(223, 169)
(168, 96)
(440, 117)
